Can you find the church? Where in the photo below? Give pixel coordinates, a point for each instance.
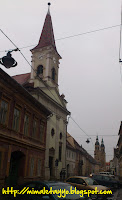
(42, 83)
(99, 154)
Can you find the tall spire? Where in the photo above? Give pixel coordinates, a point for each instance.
(49, 8)
(97, 141)
(47, 35)
(102, 143)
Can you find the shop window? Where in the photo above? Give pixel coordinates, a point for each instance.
(3, 112)
(16, 119)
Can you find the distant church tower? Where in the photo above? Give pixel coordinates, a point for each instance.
(99, 154)
(97, 150)
(103, 156)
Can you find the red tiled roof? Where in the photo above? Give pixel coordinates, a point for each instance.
(47, 35)
(22, 78)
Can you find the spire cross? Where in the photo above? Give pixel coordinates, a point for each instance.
(49, 8)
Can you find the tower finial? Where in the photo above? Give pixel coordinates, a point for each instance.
(49, 8)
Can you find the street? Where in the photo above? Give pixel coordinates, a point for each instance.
(117, 195)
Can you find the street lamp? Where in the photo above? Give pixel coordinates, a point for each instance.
(7, 61)
(88, 140)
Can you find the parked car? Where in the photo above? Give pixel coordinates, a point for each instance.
(39, 185)
(106, 181)
(86, 183)
(107, 173)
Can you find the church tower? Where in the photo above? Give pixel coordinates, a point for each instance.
(45, 57)
(99, 154)
(97, 150)
(103, 157)
(44, 80)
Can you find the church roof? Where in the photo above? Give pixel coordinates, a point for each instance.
(22, 78)
(47, 35)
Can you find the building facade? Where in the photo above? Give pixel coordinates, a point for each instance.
(23, 124)
(70, 156)
(119, 153)
(79, 162)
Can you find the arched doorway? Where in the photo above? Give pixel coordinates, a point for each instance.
(16, 169)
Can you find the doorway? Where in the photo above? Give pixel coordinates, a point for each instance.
(16, 170)
(51, 165)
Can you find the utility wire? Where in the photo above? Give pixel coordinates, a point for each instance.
(79, 126)
(88, 32)
(103, 135)
(71, 36)
(120, 45)
(24, 57)
(42, 80)
(82, 130)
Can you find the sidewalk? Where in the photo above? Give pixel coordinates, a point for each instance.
(119, 195)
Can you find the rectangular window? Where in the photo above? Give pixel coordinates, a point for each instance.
(34, 129)
(39, 168)
(16, 119)
(26, 124)
(60, 151)
(32, 166)
(41, 132)
(0, 159)
(3, 112)
(72, 155)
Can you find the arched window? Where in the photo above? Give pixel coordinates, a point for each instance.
(40, 70)
(53, 74)
(60, 136)
(52, 132)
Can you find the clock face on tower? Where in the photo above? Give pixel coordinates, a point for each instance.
(40, 56)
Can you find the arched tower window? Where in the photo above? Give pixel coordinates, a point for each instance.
(40, 70)
(53, 74)
(52, 132)
(60, 136)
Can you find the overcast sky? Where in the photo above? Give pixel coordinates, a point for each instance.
(89, 73)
